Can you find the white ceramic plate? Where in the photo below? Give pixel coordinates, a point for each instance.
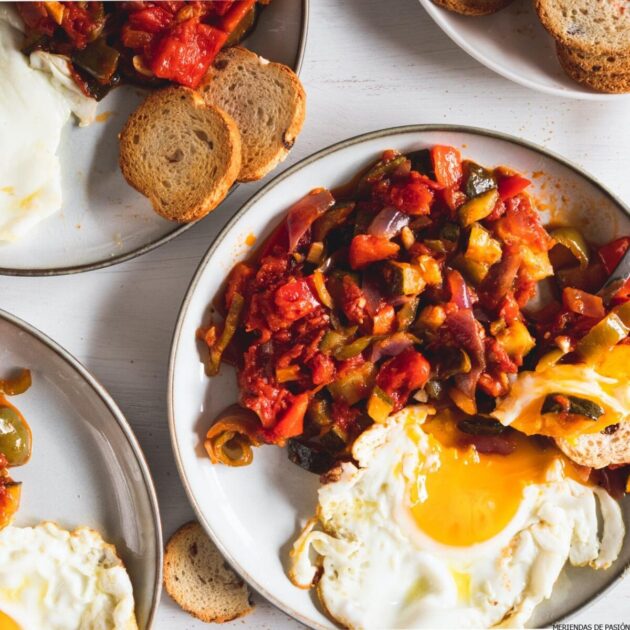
(253, 513)
(87, 467)
(103, 220)
(514, 44)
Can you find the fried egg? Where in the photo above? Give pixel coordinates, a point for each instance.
(59, 580)
(427, 534)
(32, 114)
(606, 384)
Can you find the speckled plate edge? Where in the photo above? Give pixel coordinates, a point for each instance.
(127, 431)
(179, 229)
(222, 234)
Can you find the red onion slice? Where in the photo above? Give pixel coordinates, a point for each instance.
(302, 214)
(388, 222)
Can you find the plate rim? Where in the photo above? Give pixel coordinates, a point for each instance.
(127, 431)
(178, 229)
(435, 13)
(177, 332)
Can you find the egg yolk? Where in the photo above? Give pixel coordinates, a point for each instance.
(7, 623)
(469, 497)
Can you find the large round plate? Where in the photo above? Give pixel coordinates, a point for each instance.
(103, 220)
(514, 44)
(253, 513)
(87, 467)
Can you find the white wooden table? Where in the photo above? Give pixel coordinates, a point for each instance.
(369, 64)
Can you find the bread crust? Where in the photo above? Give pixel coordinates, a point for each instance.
(174, 556)
(136, 135)
(216, 90)
(598, 64)
(601, 81)
(598, 450)
(473, 7)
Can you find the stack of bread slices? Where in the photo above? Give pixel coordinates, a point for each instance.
(592, 40)
(184, 149)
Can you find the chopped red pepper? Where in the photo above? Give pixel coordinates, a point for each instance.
(234, 13)
(611, 255)
(583, 303)
(403, 374)
(447, 165)
(511, 186)
(186, 52)
(292, 422)
(366, 249)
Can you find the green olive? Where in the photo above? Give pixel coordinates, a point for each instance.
(15, 437)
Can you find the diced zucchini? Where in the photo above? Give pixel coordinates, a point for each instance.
(562, 403)
(516, 339)
(403, 278)
(474, 272)
(380, 405)
(354, 386)
(450, 232)
(482, 248)
(352, 349)
(478, 208)
(318, 412)
(478, 180)
(430, 269)
(331, 219)
(536, 263)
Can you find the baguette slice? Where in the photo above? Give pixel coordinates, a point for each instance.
(473, 7)
(266, 100)
(609, 82)
(597, 27)
(197, 577)
(180, 153)
(598, 450)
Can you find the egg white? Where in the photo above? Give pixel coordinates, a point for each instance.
(379, 571)
(32, 114)
(59, 580)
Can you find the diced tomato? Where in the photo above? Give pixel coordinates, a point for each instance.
(186, 52)
(82, 22)
(234, 13)
(612, 253)
(411, 197)
(512, 185)
(292, 422)
(521, 225)
(583, 303)
(35, 16)
(403, 374)
(366, 249)
(323, 369)
(151, 20)
(294, 300)
(447, 165)
(453, 198)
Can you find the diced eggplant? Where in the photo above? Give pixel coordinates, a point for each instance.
(450, 232)
(310, 458)
(421, 161)
(574, 405)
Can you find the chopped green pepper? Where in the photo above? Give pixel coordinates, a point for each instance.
(231, 324)
(15, 437)
(379, 405)
(315, 253)
(573, 240)
(407, 313)
(561, 403)
(606, 334)
(353, 349)
(381, 169)
(98, 59)
(478, 208)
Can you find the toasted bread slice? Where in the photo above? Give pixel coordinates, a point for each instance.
(598, 27)
(473, 7)
(597, 64)
(598, 450)
(181, 153)
(197, 577)
(610, 82)
(266, 100)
